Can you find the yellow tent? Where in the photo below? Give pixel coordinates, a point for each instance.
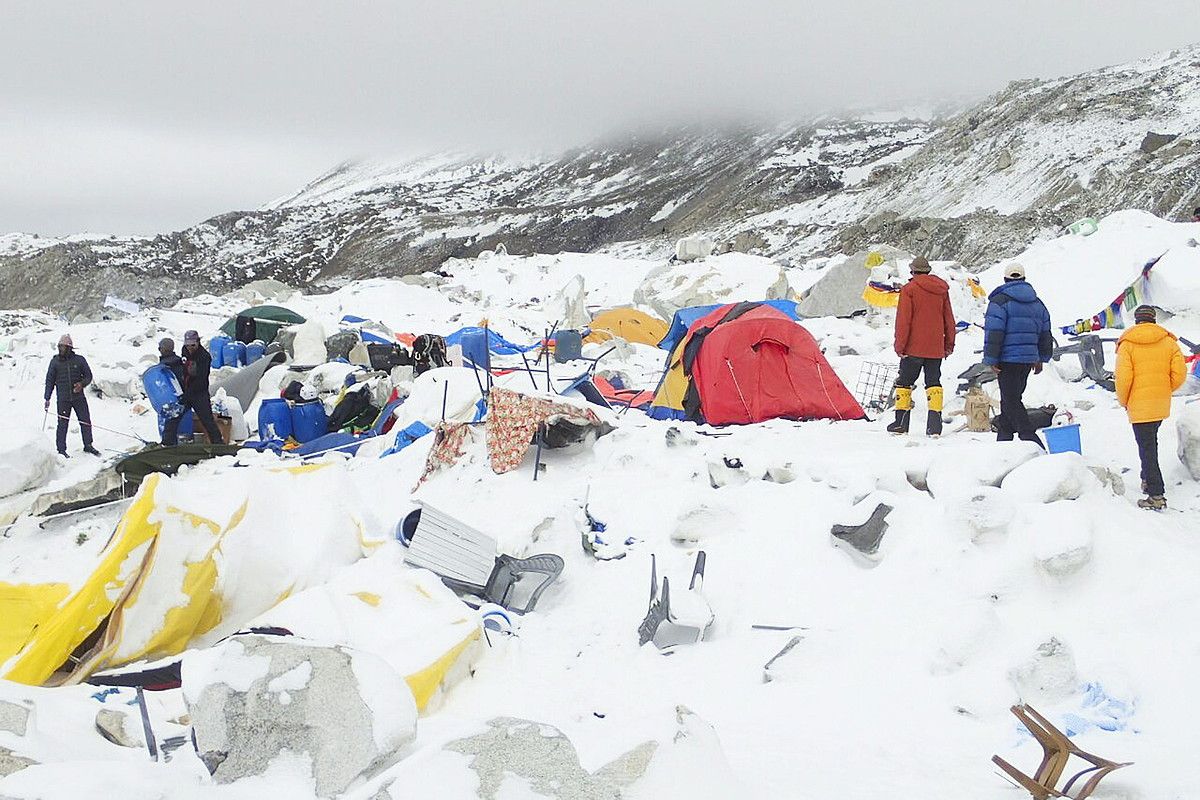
(668, 398)
(629, 324)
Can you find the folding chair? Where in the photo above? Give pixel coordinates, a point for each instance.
(663, 625)
(466, 561)
(1057, 750)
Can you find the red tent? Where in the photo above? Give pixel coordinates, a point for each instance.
(761, 365)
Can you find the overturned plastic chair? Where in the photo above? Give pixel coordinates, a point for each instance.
(669, 626)
(466, 561)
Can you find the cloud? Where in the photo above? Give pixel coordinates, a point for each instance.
(140, 116)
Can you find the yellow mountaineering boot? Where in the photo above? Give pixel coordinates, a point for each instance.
(904, 404)
(933, 427)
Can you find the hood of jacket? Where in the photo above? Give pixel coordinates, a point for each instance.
(930, 283)
(1145, 333)
(1020, 291)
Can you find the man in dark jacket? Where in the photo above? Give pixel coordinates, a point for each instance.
(67, 375)
(196, 365)
(924, 336)
(168, 358)
(1016, 340)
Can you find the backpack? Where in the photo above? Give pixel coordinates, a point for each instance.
(385, 356)
(429, 352)
(354, 410)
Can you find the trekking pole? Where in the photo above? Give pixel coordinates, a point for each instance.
(45, 416)
(102, 428)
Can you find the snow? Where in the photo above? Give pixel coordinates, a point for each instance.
(1005, 575)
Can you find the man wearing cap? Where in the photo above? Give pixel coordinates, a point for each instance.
(1150, 368)
(67, 375)
(924, 336)
(197, 363)
(1016, 340)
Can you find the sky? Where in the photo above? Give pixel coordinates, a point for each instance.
(144, 116)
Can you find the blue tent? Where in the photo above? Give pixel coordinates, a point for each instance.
(684, 318)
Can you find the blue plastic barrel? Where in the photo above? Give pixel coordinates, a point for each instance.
(162, 389)
(568, 345)
(240, 347)
(308, 421)
(229, 354)
(255, 351)
(475, 349)
(186, 425)
(216, 348)
(1063, 439)
(274, 419)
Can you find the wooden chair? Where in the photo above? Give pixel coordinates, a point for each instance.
(1057, 750)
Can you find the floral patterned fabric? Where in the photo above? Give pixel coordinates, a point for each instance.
(449, 444)
(512, 419)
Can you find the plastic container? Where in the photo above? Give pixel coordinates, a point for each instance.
(309, 421)
(1063, 439)
(274, 419)
(162, 389)
(475, 349)
(187, 425)
(255, 351)
(216, 349)
(568, 346)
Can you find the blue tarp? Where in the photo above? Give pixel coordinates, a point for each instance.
(366, 335)
(685, 317)
(496, 343)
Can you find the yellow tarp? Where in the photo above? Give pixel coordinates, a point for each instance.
(879, 298)
(629, 324)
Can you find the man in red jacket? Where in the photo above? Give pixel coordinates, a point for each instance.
(924, 336)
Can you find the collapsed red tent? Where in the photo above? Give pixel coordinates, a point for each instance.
(749, 363)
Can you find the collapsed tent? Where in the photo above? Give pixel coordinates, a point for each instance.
(747, 363)
(496, 343)
(259, 322)
(244, 383)
(626, 323)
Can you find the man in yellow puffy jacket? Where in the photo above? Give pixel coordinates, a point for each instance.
(1150, 368)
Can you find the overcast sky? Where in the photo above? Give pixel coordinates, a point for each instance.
(148, 116)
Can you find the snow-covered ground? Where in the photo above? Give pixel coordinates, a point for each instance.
(982, 595)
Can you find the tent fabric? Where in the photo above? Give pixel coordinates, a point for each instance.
(621, 398)
(167, 460)
(684, 318)
(168, 577)
(749, 362)
(496, 343)
(268, 320)
(244, 383)
(764, 366)
(627, 323)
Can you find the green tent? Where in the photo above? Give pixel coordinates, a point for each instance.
(155, 458)
(267, 321)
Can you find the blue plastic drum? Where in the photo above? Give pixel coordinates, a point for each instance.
(216, 348)
(309, 421)
(255, 351)
(274, 419)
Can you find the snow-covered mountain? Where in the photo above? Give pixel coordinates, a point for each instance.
(975, 187)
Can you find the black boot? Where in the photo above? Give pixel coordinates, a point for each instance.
(901, 424)
(933, 427)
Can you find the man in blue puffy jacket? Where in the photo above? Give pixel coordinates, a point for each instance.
(1016, 340)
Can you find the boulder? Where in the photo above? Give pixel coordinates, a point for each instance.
(308, 345)
(985, 512)
(1059, 537)
(701, 523)
(340, 344)
(25, 463)
(693, 248)
(1187, 429)
(117, 381)
(119, 728)
(720, 279)
(14, 718)
(10, 762)
(545, 762)
(1153, 141)
(252, 698)
(958, 472)
(1048, 676)
(1061, 476)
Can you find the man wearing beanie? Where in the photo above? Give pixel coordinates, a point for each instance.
(1016, 340)
(197, 364)
(924, 336)
(67, 374)
(1150, 368)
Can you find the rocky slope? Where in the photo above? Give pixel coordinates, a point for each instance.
(977, 187)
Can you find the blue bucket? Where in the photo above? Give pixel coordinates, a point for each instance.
(308, 421)
(568, 346)
(1063, 439)
(274, 419)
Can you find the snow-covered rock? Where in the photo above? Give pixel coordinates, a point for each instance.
(254, 699)
(693, 248)
(1048, 675)
(1060, 476)
(984, 512)
(957, 472)
(726, 278)
(119, 380)
(1059, 537)
(25, 463)
(1187, 429)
